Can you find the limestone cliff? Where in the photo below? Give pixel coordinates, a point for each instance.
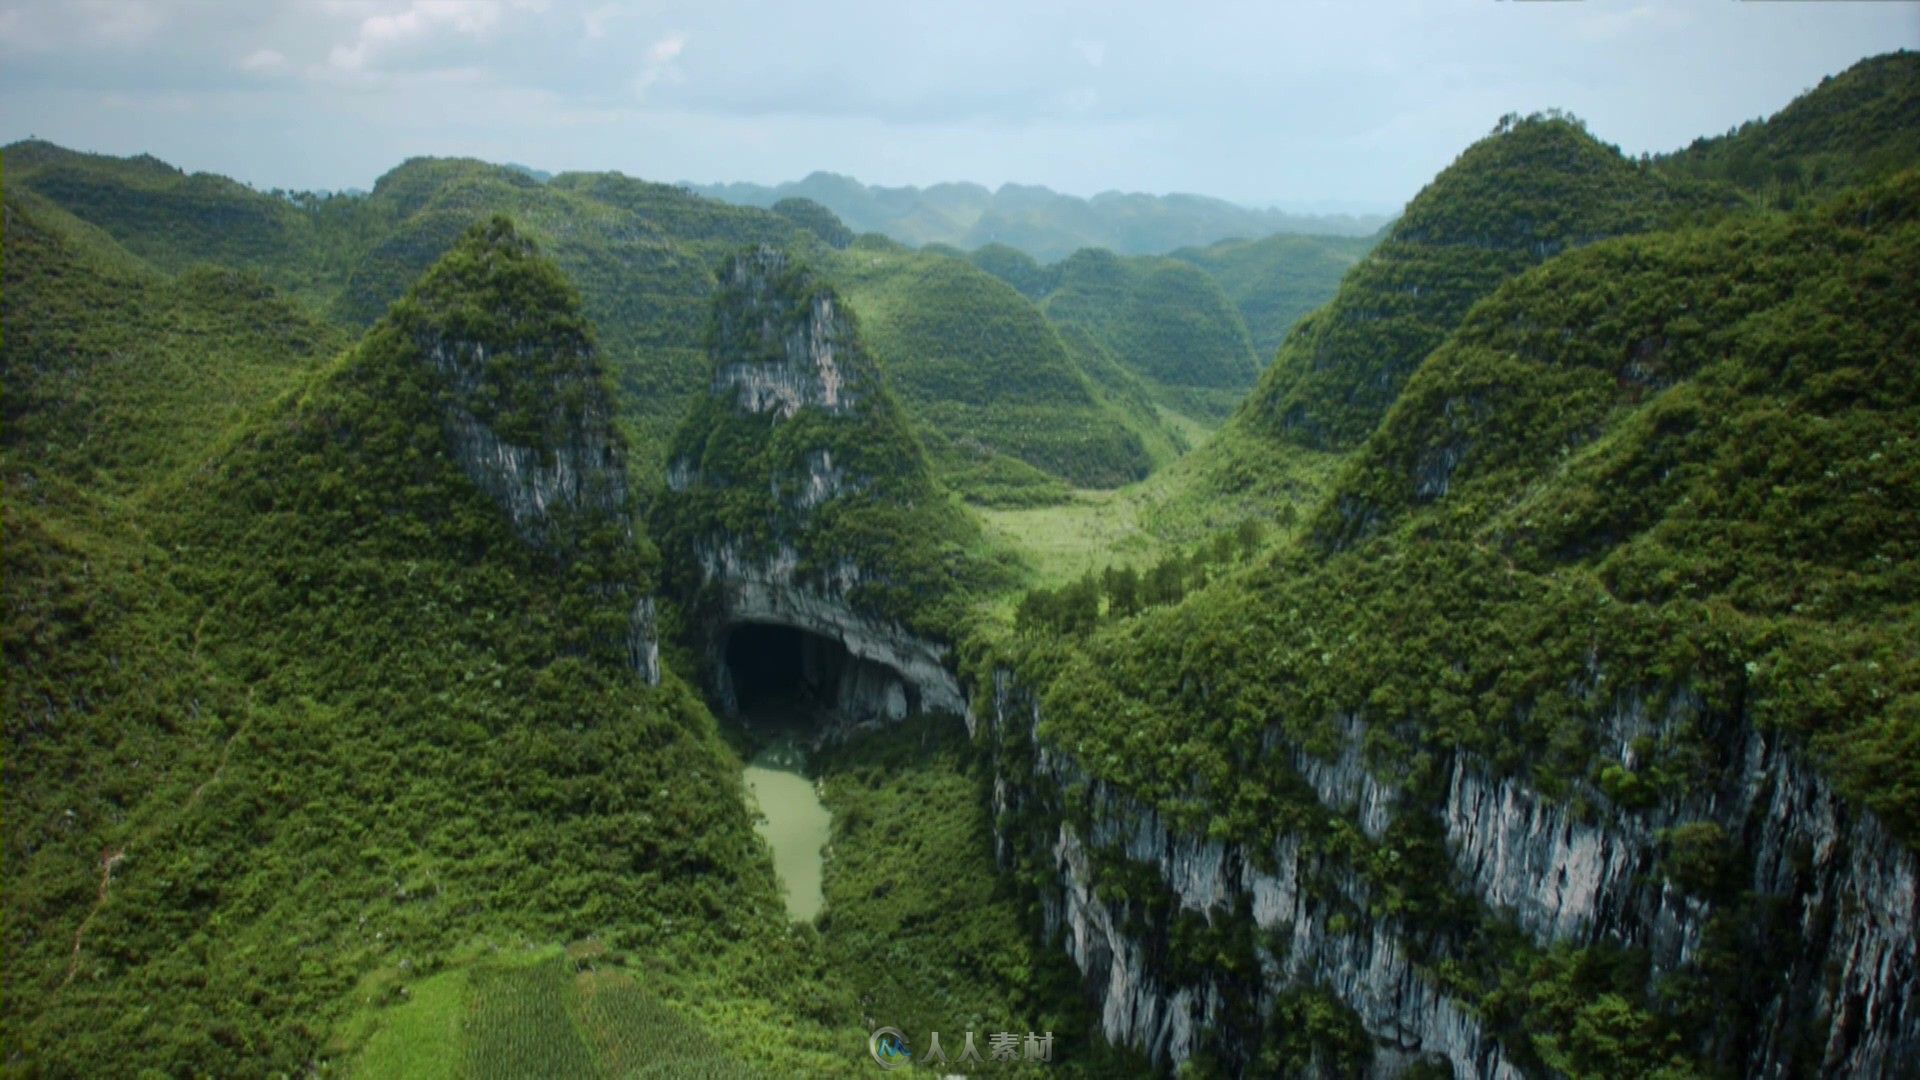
(797, 496)
(1844, 999)
(525, 408)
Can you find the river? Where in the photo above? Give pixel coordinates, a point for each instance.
(794, 821)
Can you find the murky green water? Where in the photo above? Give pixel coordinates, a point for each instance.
(795, 823)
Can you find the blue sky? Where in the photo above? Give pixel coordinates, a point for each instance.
(1353, 105)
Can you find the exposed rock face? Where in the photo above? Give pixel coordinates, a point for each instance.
(549, 494)
(808, 377)
(798, 424)
(1849, 885)
(1307, 940)
(893, 671)
(565, 481)
(643, 641)
(1850, 983)
(584, 473)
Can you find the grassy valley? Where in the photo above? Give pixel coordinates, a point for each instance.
(1520, 674)
(1669, 467)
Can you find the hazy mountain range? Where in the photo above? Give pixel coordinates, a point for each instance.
(1039, 221)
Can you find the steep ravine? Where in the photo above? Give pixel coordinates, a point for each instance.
(788, 489)
(1847, 888)
(797, 497)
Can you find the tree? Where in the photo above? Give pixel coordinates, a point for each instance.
(1123, 591)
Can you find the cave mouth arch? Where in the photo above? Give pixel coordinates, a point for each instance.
(773, 668)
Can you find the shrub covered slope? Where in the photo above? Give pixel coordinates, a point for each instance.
(1677, 468)
(312, 710)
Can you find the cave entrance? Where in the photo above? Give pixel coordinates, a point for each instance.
(780, 668)
(783, 673)
(792, 689)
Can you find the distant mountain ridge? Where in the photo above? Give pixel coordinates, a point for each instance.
(1037, 220)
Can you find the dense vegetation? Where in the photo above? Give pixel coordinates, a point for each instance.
(1153, 332)
(1724, 528)
(314, 761)
(1044, 224)
(1855, 127)
(309, 709)
(118, 374)
(641, 254)
(175, 220)
(751, 472)
(1536, 187)
(1164, 320)
(1277, 280)
(994, 380)
(643, 257)
(920, 916)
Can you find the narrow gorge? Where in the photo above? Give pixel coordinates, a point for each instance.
(506, 624)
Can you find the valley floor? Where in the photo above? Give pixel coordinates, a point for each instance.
(919, 932)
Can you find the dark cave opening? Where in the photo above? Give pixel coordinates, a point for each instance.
(783, 667)
(770, 671)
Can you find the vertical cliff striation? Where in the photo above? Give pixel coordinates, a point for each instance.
(1127, 892)
(1575, 739)
(797, 496)
(527, 412)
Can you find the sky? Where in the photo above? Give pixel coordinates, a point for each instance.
(1348, 106)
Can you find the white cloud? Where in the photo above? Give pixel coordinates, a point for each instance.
(421, 21)
(594, 20)
(86, 24)
(667, 49)
(263, 60)
(121, 23)
(1202, 96)
(658, 65)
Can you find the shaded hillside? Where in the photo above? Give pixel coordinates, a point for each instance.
(347, 705)
(1534, 188)
(991, 381)
(176, 220)
(1632, 556)
(117, 374)
(1163, 320)
(1860, 125)
(801, 446)
(1042, 223)
(1277, 281)
(643, 256)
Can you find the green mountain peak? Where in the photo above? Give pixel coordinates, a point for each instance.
(1535, 187)
(799, 446)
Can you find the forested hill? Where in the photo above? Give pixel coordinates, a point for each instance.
(1044, 224)
(1009, 412)
(1179, 327)
(1857, 126)
(1634, 545)
(1011, 408)
(339, 702)
(1533, 189)
(1278, 280)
